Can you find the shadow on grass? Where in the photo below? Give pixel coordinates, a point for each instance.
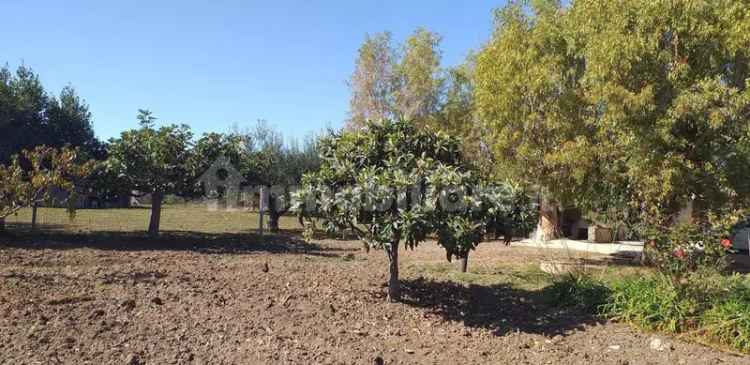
(500, 308)
(207, 243)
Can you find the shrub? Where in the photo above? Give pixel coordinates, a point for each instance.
(650, 302)
(728, 322)
(715, 306)
(686, 248)
(578, 290)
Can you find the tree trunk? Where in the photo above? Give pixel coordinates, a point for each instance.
(273, 220)
(33, 216)
(465, 263)
(394, 287)
(2, 225)
(156, 200)
(549, 220)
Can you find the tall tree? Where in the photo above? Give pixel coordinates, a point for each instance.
(527, 97)
(419, 77)
(656, 122)
(672, 98)
(373, 81)
(29, 117)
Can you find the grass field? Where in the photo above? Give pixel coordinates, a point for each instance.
(175, 218)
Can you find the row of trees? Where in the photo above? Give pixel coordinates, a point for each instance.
(30, 116)
(629, 111)
(46, 137)
(169, 161)
(158, 161)
(610, 106)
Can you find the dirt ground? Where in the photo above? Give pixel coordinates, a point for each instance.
(222, 299)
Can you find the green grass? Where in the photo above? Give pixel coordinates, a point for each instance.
(709, 308)
(194, 218)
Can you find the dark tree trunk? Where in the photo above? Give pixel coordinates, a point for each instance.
(156, 202)
(465, 263)
(33, 216)
(394, 286)
(273, 220)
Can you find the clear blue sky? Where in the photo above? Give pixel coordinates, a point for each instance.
(213, 64)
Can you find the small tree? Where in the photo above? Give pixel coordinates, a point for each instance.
(393, 184)
(155, 161)
(30, 177)
(279, 166)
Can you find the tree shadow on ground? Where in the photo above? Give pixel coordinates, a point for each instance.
(500, 308)
(201, 242)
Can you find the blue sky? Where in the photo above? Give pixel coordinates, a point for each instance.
(214, 64)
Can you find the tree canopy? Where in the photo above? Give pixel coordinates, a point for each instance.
(393, 184)
(641, 99)
(30, 116)
(154, 160)
(31, 176)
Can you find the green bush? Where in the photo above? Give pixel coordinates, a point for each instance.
(651, 302)
(578, 290)
(728, 322)
(705, 304)
(685, 248)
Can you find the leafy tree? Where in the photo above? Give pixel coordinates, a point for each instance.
(656, 122)
(372, 83)
(393, 184)
(527, 98)
(156, 161)
(32, 175)
(277, 165)
(29, 117)
(672, 99)
(396, 82)
(419, 79)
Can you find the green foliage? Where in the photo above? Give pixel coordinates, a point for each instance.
(393, 183)
(689, 247)
(527, 101)
(270, 160)
(362, 173)
(713, 307)
(153, 160)
(578, 290)
(710, 305)
(164, 161)
(649, 124)
(729, 321)
(30, 116)
(652, 302)
(31, 176)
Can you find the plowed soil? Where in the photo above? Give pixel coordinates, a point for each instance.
(268, 300)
